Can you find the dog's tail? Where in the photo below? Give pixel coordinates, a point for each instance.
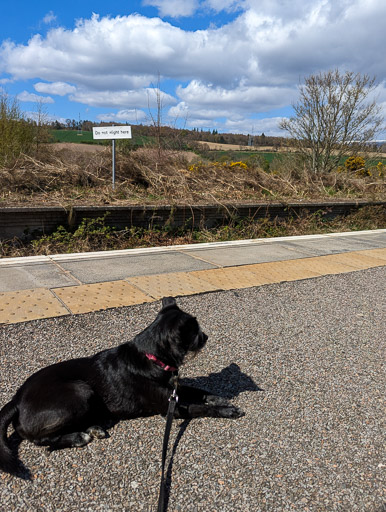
(8, 460)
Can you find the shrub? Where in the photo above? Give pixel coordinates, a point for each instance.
(356, 164)
(16, 133)
(378, 171)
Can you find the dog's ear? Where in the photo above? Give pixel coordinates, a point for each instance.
(168, 301)
(189, 330)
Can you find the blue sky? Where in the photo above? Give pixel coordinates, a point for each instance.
(230, 65)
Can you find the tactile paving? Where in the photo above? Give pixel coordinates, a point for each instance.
(231, 278)
(374, 253)
(277, 272)
(93, 297)
(359, 260)
(173, 284)
(324, 265)
(25, 305)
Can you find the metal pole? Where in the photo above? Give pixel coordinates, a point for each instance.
(113, 152)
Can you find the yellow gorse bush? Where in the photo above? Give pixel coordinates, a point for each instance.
(218, 165)
(241, 165)
(357, 165)
(381, 170)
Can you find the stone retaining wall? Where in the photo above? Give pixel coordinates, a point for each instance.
(24, 222)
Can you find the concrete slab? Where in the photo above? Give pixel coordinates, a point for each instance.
(43, 275)
(247, 254)
(94, 297)
(330, 245)
(112, 269)
(175, 284)
(373, 241)
(25, 305)
(368, 242)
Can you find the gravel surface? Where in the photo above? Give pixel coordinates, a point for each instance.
(303, 359)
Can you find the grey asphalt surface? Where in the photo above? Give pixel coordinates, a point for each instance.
(304, 360)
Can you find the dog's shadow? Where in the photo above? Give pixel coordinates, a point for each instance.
(228, 383)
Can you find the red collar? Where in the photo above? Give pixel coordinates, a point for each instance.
(159, 363)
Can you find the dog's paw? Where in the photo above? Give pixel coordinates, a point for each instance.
(216, 400)
(97, 432)
(80, 439)
(231, 411)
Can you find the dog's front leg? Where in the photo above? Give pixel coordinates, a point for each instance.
(197, 403)
(187, 411)
(199, 396)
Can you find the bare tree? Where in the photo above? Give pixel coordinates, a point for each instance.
(167, 136)
(335, 116)
(42, 129)
(156, 119)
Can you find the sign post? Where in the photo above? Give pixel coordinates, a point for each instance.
(112, 133)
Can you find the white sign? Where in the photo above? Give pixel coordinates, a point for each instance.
(112, 132)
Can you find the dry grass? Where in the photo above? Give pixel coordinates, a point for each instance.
(148, 176)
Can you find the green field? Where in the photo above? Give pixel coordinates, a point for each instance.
(79, 137)
(71, 136)
(76, 136)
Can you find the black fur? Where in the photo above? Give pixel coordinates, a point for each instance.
(65, 404)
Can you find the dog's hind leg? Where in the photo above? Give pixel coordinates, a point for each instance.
(72, 439)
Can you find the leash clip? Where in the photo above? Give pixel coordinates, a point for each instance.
(174, 396)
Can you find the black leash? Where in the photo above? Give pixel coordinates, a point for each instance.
(169, 419)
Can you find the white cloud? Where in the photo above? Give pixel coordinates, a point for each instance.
(224, 5)
(207, 101)
(174, 8)
(58, 88)
(269, 43)
(49, 118)
(123, 115)
(269, 125)
(142, 98)
(247, 66)
(49, 18)
(28, 96)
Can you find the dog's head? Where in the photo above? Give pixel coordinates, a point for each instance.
(175, 333)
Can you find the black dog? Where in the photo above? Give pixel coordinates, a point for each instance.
(65, 404)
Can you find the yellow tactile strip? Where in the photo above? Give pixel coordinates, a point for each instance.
(230, 278)
(373, 253)
(93, 297)
(358, 259)
(24, 305)
(174, 284)
(21, 306)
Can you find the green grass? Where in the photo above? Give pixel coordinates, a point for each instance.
(71, 136)
(238, 156)
(76, 136)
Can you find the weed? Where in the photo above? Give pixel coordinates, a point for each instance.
(142, 176)
(95, 235)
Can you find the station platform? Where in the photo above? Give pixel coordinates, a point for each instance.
(40, 287)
